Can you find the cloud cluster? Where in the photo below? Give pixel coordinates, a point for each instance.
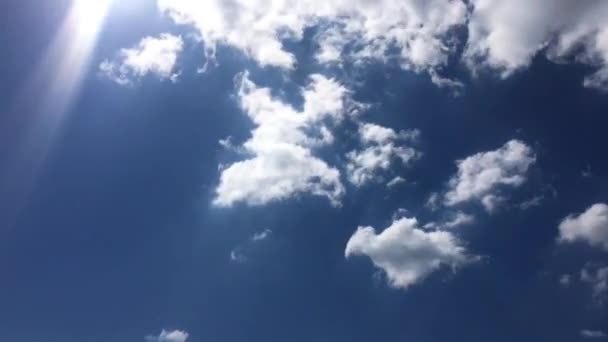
(406, 253)
(381, 147)
(417, 30)
(420, 35)
(151, 56)
(481, 176)
(590, 226)
(282, 163)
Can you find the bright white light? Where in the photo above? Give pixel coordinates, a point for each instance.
(90, 14)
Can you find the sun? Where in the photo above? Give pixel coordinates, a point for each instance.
(90, 14)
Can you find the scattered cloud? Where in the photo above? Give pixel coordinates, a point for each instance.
(433, 202)
(597, 277)
(591, 226)
(282, 143)
(481, 176)
(381, 147)
(418, 35)
(406, 253)
(240, 253)
(263, 235)
(532, 202)
(151, 56)
(457, 219)
(169, 336)
(395, 182)
(237, 256)
(593, 334)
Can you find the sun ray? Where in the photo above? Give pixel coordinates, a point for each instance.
(54, 84)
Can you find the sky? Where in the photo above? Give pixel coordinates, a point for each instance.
(291, 170)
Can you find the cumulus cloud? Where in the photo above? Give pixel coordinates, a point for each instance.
(406, 253)
(151, 56)
(169, 336)
(591, 226)
(420, 35)
(597, 278)
(381, 147)
(481, 176)
(282, 163)
(506, 35)
(372, 29)
(593, 334)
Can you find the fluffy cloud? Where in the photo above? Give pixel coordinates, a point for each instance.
(381, 148)
(418, 30)
(283, 164)
(590, 226)
(481, 176)
(406, 253)
(151, 56)
(420, 35)
(169, 336)
(506, 35)
(598, 279)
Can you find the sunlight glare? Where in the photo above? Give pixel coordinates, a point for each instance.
(90, 14)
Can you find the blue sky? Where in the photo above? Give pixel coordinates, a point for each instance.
(175, 170)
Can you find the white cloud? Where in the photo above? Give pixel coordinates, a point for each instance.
(169, 336)
(381, 148)
(283, 164)
(151, 56)
(455, 220)
(597, 277)
(590, 226)
(481, 176)
(420, 35)
(258, 28)
(506, 35)
(593, 334)
(406, 253)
